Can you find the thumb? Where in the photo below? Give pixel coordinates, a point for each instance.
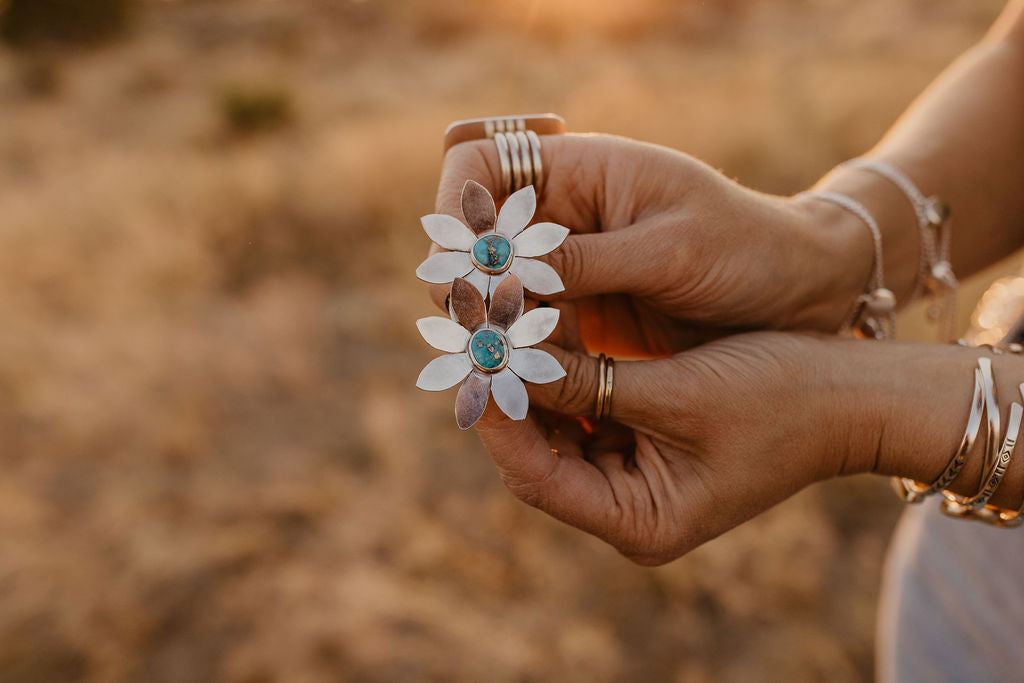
(567, 487)
(474, 160)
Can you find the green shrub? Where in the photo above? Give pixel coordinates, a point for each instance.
(33, 22)
(252, 109)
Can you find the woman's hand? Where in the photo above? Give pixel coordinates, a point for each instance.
(667, 252)
(709, 438)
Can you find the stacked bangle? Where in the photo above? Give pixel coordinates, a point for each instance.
(997, 456)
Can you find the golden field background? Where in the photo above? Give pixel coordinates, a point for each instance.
(215, 464)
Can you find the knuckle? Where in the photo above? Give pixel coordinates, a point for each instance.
(474, 159)
(573, 396)
(568, 261)
(531, 490)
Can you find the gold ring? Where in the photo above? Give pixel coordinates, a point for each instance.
(605, 382)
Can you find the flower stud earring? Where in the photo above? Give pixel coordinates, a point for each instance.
(488, 348)
(493, 247)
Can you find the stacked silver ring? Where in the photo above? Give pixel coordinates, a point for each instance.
(518, 154)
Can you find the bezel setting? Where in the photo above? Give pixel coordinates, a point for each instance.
(485, 268)
(506, 350)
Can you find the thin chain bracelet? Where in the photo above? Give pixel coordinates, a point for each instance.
(873, 314)
(936, 274)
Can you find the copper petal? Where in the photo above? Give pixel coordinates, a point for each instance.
(472, 399)
(477, 207)
(467, 304)
(506, 302)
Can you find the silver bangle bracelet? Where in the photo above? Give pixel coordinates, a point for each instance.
(956, 504)
(914, 491)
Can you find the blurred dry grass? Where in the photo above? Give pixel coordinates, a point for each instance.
(215, 464)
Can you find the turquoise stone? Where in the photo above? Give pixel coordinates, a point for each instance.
(488, 349)
(492, 253)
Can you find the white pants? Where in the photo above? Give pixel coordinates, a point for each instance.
(952, 605)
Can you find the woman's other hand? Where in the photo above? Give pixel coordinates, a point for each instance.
(665, 251)
(706, 439)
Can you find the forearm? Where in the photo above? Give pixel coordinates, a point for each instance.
(961, 140)
(904, 408)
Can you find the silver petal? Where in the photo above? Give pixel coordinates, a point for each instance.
(506, 302)
(497, 280)
(516, 212)
(444, 372)
(539, 239)
(448, 232)
(443, 334)
(510, 394)
(480, 280)
(444, 267)
(534, 365)
(472, 399)
(468, 304)
(477, 207)
(533, 327)
(537, 276)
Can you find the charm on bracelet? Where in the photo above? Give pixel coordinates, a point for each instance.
(488, 348)
(495, 245)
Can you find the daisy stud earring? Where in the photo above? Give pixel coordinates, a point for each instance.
(493, 247)
(488, 350)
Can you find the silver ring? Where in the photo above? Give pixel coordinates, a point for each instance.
(506, 167)
(525, 158)
(517, 167)
(538, 167)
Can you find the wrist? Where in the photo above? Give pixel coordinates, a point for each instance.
(907, 405)
(838, 266)
(845, 248)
